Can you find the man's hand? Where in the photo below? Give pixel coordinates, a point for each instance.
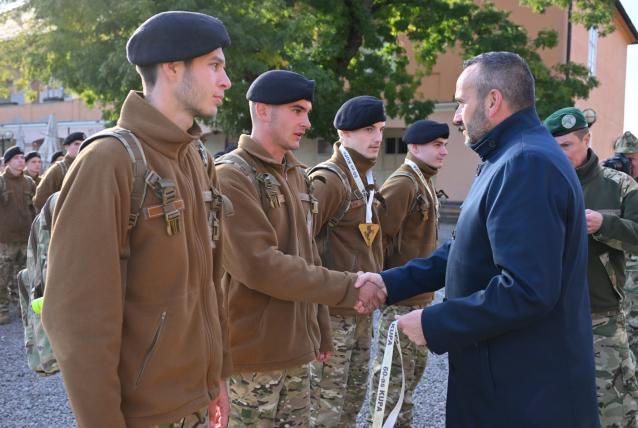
(324, 356)
(410, 325)
(372, 292)
(594, 221)
(219, 409)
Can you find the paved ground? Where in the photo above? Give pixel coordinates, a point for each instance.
(28, 401)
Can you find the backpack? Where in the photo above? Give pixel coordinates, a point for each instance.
(352, 200)
(31, 281)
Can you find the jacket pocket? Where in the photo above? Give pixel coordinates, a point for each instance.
(151, 350)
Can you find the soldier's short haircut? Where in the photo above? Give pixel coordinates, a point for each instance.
(508, 73)
(148, 73)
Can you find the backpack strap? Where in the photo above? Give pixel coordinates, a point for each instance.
(140, 166)
(63, 167)
(263, 181)
(350, 195)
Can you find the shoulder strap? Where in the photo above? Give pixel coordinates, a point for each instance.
(241, 163)
(345, 205)
(203, 153)
(136, 153)
(399, 173)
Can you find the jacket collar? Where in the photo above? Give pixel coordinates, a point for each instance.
(426, 169)
(362, 163)
(256, 150)
(153, 127)
(502, 133)
(590, 169)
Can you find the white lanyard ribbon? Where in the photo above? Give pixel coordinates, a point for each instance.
(359, 182)
(384, 381)
(424, 181)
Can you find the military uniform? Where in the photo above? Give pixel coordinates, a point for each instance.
(51, 181)
(17, 213)
(273, 283)
(615, 195)
(133, 304)
(339, 385)
(628, 143)
(409, 225)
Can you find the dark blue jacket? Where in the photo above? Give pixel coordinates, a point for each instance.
(516, 322)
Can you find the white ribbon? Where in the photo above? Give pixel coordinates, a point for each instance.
(384, 381)
(357, 180)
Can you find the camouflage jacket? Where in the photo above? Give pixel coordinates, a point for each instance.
(614, 195)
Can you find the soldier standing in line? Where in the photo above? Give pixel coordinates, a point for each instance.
(33, 166)
(56, 157)
(276, 291)
(627, 145)
(52, 179)
(409, 225)
(611, 202)
(348, 238)
(133, 304)
(16, 215)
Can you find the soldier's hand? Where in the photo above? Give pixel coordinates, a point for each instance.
(219, 409)
(324, 356)
(594, 221)
(372, 292)
(410, 325)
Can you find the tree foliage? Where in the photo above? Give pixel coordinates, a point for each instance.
(350, 47)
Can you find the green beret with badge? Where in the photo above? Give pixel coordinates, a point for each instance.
(564, 121)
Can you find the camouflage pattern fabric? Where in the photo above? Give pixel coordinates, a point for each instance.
(616, 386)
(626, 143)
(414, 362)
(13, 258)
(198, 419)
(339, 385)
(40, 356)
(631, 301)
(278, 398)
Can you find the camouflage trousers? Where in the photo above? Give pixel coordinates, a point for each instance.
(616, 386)
(278, 398)
(13, 258)
(631, 309)
(198, 419)
(414, 362)
(339, 385)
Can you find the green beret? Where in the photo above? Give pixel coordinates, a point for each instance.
(564, 121)
(626, 143)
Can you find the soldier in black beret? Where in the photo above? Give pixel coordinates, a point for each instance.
(56, 156)
(273, 285)
(33, 165)
(135, 267)
(51, 181)
(409, 225)
(16, 215)
(349, 241)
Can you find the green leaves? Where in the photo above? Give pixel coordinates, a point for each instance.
(350, 47)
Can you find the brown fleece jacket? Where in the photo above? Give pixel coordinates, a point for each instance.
(36, 178)
(16, 208)
(51, 181)
(409, 224)
(149, 349)
(347, 248)
(272, 280)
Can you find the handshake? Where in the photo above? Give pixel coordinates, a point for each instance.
(372, 292)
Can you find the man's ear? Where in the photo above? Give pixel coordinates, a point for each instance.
(493, 102)
(170, 70)
(262, 111)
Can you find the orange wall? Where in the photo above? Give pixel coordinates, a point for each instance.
(608, 99)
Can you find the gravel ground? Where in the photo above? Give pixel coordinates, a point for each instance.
(29, 401)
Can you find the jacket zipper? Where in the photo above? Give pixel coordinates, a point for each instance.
(151, 349)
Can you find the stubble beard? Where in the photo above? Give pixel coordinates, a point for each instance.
(477, 128)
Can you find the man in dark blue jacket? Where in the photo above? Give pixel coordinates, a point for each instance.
(516, 320)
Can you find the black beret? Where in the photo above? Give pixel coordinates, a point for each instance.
(11, 152)
(175, 36)
(425, 131)
(359, 112)
(32, 155)
(281, 87)
(73, 137)
(56, 155)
